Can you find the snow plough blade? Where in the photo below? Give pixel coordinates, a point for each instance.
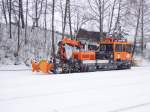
(42, 66)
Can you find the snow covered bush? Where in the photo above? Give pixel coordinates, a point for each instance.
(37, 44)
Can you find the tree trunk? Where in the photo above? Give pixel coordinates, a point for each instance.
(117, 24)
(100, 19)
(53, 44)
(21, 13)
(45, 21)
(70, 23)
(10, 19)
(112, 15)
(136, 31)
(4, 11)
(62, 14)
(27, 2)
(19, 16)
(142, 26)
(103, 11)
(36, 14)
(65, 16)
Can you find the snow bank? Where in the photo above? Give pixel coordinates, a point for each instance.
(14, 67)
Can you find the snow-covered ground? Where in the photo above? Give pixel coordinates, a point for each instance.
(106, 91)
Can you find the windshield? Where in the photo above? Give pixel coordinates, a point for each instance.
(106, 47)
(122, 48)
(69, 51)
(119, 48)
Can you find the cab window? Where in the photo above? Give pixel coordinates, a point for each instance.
(124, 47)
(106, 47)
(118, 47)
(129, 48)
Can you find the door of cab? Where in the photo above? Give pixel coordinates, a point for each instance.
(120, 52)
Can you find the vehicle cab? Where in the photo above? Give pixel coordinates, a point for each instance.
(115, 52)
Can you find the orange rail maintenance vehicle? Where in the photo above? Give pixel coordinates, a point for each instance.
(114, 53)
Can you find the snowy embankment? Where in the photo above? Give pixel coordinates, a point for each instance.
(37, 44)
(14, 68)
(106, 91)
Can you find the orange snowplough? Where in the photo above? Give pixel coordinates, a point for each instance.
(43, 66)
(112, 53)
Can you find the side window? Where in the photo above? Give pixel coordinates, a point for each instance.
(124, 47)
(110, 47)
(102, 47)
(129, 48)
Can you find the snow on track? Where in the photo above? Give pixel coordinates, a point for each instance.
(131, 108)
(14, 68)
(106, 91)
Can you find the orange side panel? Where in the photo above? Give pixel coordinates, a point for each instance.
(84, 55)
(75, 55)
(122, 56)
(129, 56)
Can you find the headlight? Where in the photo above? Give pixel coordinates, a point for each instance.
(118, 56)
